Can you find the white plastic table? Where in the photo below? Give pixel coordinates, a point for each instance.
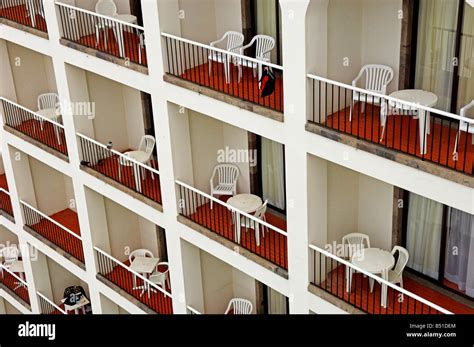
(139, 156)
(420, 97)
(51, 114)
(376, 261)
(247, 203)
(144, 266)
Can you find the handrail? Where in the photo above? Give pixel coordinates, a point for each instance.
(100, 15)
(390, 98)
(32, 112)
(217, 49)
(261, 222)
(50, 219)
(4, 191)
(118, 153)
(380, 279)
(16, 277)
(193, 310)
(143, 278)
(51, 303)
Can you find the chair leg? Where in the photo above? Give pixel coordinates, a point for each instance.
(456, 143)
(120, 172)
(350, 110)
(371, 282)
(363, 108)
(210, 67)
(240, 72)
(212, 202)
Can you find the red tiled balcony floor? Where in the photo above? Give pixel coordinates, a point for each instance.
(47, 136)
(10, 282)
(150, 186)
(247, 89)
(157, 301)
(440, 142)
(3, 182)
(60, 237)
(273, 245)
(19, 14)
(364, 299)
(131, 45)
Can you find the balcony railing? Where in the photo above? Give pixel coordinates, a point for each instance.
(328, 272)
(5, 202)
(119, 167)
(14, 283)
(34, 125)
(106, 34)
(422, 132)
(47, 306)
(191, 310)
(189, 60)
(59, 235)
(253, 234)
(25, 12)
(153, 296)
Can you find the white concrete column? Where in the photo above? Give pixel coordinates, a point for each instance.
(294, 84)
(162, 131)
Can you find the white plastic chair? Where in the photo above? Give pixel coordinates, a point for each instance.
(377, 78)
(465, 126)
(10, 255)
(263, 46)
(227, 175)
(239, 306)
(47, 100)
(106, 8)
(355, 242)
(233, 41)
(160, 278)
(147, 145)
(141, 252)
(396, 274)
(248, 223)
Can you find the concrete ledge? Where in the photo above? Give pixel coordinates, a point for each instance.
(333, 300)
(105, 56)
(55, 248)
(122, 188)
(26, 28)
(12, 293)
(263, 111)
(393, 155)
(7, 216)
(123, 293)
(36, 143)
(233, 246)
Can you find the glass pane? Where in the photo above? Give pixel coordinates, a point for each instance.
(466, 60)
(273, 173)
(436, 42)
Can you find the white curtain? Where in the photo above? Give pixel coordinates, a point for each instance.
(459, 267)
(265, 11)
(273, 169)
(435, 48)
(425, 218)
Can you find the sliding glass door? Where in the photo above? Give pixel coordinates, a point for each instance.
(445, 52)
(440, 242)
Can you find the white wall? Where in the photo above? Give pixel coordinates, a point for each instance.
(7, 237)
(61, 279)
(7, 84)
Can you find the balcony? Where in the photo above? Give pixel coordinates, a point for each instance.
(328, 274)
(188, 65)
(122, 277)
(53, 228)
(24, 15)
(15, 284)
(224, 220)
(414, 135)
(35, 128)
(120, 170)
(5, 202)
(116, 39)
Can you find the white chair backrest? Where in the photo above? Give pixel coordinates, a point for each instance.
(161, 265)
(355, 242)
(226, 173)
(9, 255)
(263, 45)
(240, 306)
(147, 144)
(260, 212)
(48, 100)
(142, 252)
(402, 259)
(106, 8)
(463, 113)
(377, 77)
(234, 41)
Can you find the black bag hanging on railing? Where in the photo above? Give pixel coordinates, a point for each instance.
(267, 82)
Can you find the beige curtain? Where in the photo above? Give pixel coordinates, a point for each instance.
(425, 218)
(466, 60)
(276, 302)
(265, 11)
(436, 46)
(273, 169)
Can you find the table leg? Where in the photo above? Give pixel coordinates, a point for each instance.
(137, 176)
(384, 290)
(423, 119)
